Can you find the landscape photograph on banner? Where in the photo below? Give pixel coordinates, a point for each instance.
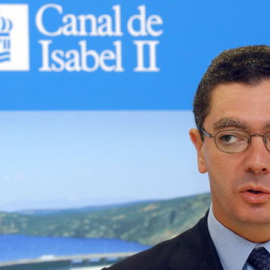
(80, 183)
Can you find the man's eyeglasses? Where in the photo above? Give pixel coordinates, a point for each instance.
(236, 141)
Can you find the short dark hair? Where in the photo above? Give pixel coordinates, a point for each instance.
(249, 65)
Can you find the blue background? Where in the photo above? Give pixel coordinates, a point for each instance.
(194, 32)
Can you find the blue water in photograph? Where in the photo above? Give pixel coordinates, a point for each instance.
(16, 247)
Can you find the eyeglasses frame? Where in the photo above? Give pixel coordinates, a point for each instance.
(248, 142)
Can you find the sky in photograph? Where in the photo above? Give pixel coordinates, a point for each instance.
(60, 159)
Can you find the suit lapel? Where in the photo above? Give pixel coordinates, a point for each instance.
(196, 250)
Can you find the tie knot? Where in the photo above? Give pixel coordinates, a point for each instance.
(259, 258)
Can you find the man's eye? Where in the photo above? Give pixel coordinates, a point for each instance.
(228, 138)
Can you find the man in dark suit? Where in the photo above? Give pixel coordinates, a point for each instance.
(232, 140)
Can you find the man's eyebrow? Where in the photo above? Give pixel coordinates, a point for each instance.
(229, 122)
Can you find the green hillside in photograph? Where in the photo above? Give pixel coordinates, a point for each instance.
(144, 222)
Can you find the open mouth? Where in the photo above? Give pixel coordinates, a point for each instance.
(256, 195)
(255, 191)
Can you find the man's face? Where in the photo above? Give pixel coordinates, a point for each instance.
(239, 182)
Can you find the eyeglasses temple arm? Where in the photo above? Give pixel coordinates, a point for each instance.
(207, 134)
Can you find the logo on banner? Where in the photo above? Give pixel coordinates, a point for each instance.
(5, 28)
(14, 37)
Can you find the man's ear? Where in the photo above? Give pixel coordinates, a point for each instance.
(198, 143)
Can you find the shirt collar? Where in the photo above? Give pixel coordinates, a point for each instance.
(233, 250)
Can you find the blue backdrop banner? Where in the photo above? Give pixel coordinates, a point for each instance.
(117, 55)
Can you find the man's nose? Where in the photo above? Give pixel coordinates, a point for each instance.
(257, 157)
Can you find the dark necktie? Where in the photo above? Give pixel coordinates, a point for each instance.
(259, 258)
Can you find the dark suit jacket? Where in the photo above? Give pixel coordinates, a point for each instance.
(191, 250)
